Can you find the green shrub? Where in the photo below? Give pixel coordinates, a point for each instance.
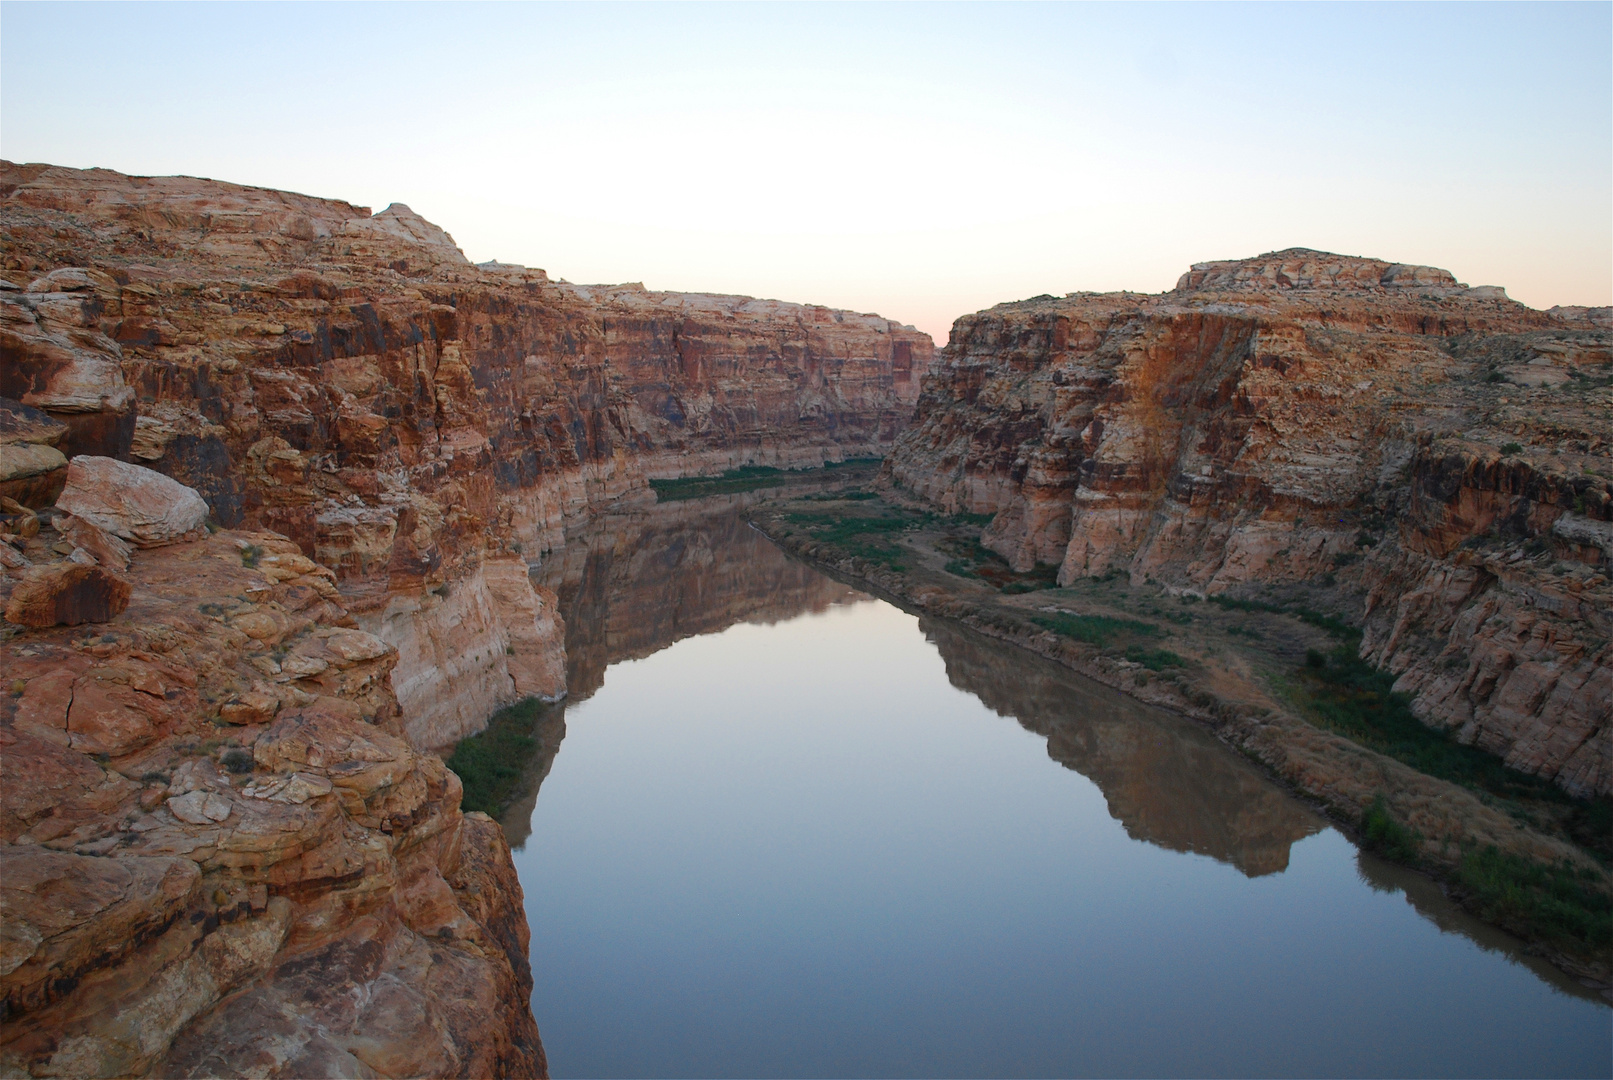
(491, 763)
(1511, 448)
(1559, 903)
(1094, 629)
(238, 760)
(1348, 695)
(1331, 623)
(251, 554)
(1154, 659)
(1383, 834)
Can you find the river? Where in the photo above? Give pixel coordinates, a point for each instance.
(785, 829)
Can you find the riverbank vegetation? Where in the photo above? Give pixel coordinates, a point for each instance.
(754, 478)
(1225, 658)
(491, 763)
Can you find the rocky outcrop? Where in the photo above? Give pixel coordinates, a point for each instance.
(1438, 451)
(220, 855)
(32, 470)
(351, 381)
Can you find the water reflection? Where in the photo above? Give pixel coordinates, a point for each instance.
(798, 851)
(631, 584)
(1166, 780)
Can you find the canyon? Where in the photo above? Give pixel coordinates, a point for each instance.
(293, 462)
(296, 497)
(1432, 460)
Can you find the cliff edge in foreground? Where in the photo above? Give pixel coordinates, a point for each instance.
(219, 854)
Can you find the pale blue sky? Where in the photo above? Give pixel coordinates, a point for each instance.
(917, 160)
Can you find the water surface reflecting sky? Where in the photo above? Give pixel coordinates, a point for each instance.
(852, 844)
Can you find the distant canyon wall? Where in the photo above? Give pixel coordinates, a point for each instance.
(412, 420)
(1298, 420)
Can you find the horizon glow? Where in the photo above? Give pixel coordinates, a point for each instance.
(921, 161)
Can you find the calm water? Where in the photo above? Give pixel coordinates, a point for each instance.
(792, 831)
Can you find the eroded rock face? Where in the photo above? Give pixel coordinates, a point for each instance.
(1439, 451)
(220, 854)
(349, 380)
(32, 469)
(67, 594)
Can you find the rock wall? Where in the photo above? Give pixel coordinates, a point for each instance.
(219, 853)
(351, 381)
(1298, 418)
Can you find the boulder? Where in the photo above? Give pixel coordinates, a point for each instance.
(131, 502)
(21, 423)
(67, 594)
(32, 470)
(85, 535)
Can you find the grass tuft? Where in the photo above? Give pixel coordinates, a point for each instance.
(1383, 834)
(1096, 630)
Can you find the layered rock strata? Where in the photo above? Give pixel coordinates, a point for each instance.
(351, 381)
(219, 853)
(1443, 452)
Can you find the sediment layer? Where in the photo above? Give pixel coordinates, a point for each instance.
(351, 381)
(1441, 451)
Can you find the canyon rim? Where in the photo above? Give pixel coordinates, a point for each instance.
(278, 469)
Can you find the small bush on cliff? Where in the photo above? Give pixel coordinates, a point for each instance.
(238, 760)
(491, 763)
(251, 554)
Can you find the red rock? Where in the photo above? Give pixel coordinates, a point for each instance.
(149, 924)
(136, 504)
(107, 549)
(1272, 421)
(67, 594)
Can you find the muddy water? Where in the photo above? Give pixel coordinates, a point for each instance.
(794, 831)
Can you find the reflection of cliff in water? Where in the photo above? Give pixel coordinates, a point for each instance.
(633, 583)
(1429, 900)
(1166, 780)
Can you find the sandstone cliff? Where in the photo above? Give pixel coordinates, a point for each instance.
(1439, 453)
(219, 854)
(225, 851)
(351, 381)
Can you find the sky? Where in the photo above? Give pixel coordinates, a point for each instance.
(921, 161)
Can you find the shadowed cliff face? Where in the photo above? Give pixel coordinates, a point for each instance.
(1166, 780)
(353, 382)
(1442, 452)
